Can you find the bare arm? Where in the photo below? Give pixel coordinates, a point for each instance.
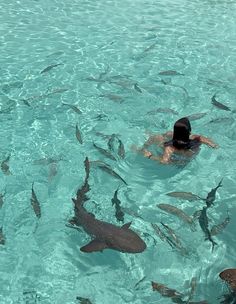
(164, 159)
(205, 140)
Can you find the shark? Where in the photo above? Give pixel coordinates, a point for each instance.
(104, 235)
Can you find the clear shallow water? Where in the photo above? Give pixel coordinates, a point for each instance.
(134, 40)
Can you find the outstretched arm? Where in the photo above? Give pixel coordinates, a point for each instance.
(206, 141)
(164, 159)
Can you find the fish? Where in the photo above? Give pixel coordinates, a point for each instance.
(185, 196)
(165, 291)
(193, 285)
(219, 104)
(177, 212)
(121, 149)
(105, 235)
(131, 212)
(212, 195)
(5, 167)
(73, 107)
(58, 53)
(2, 195)
(229, 276)
(216, 229)
(2, 238)
(162, 235)
(119, 213)
(47, 69)
(35, 203)
(203, 221)
(162, 110)
(173, 235)
(196, 116)
(139, 282)
(104, 152)
(150, 47)
(107, 168)
(46, 161)
(83, 300)
(170, 73)
(137, 88)
(111, 141)
(229, 120)
(78, 134)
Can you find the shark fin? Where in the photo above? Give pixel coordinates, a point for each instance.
(94, 245)
(127, 225)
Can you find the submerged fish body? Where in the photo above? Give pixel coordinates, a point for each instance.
(104, 152)
(212, 195)
(2, 238)
(119, 213)
(166, 291)
(78, 134)
(196, 116)
(121, 149)
(177, 212)
(185, 196)
(50, 67)
(35, 203)
(219, 104)
(203, 221)
(170, 73)
(5, 167)
(105, 235)
(216, 229)
(162, 110)
(73, 107)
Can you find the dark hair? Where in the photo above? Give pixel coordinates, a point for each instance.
(182, 130)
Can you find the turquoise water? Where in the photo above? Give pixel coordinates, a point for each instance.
(105, 48)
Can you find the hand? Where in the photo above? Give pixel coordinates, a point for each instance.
(147, 154)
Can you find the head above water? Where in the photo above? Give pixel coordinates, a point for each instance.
(182, 131)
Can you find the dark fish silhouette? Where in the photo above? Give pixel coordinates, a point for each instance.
(229, 276)
(5, 166)
(2, 238)
(177, 212)
(119, 213)
(216, 229)
(83, 300)
(107, 168)
(212, 195)
(162, 235)
(185, 196)
(35, 203)
(193, 285)
(113, 97)
(196, 116)
(104, 152)
(78, 134)
(170, 73)
(139, 282)
(121, 149)
(111, 141)
(47, 69)
(166, 292)
(219, 104)
(137, 88)
(203, 221)
(105, 235)
(2, 198)
(73, 107)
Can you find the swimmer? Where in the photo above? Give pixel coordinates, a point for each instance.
(179, 142)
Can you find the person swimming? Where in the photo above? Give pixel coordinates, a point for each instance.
(177, 143)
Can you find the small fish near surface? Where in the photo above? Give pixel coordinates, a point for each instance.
(216, 229)
(185, 196)
(50, 67)
(121, 149)
(2, 238)
(117, 203)
(78, 134)
(193, 285)
(83, 300)
(137, 88)
(104, 152)
(219, 104)
(179, 213)
(5, 167)
(2, 195)
(113, 97)
(111, 142)
(170, 73)
(107, 168)
(166, 291)
(162, 110)
(196, 116)
(73, 107)
(203, 221)
(105, 235)
(211, 196)
(35, 203)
